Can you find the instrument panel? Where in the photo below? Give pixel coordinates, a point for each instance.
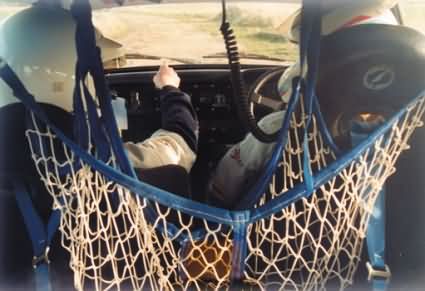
(210, 90)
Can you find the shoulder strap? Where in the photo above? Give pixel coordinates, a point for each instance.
(41, 236)
(89, 61)
(378, 271)
(309, 56)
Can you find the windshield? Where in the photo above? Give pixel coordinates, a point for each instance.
(414, 14)
(189, 32)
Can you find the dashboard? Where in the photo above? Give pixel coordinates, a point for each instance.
(211, 93)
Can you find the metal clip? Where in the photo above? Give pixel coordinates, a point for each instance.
(378, 273)
(43, 259)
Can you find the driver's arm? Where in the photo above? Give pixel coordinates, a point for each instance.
(177, 140)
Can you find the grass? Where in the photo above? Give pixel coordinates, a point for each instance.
(265, 41)
(255, 33)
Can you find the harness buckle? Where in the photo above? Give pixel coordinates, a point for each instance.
(383, 274)
(43, 259)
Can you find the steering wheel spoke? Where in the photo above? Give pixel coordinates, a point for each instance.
(264, 104)
(268, 102)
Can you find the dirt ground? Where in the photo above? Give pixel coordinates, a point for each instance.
(141, 34)
(174, 29)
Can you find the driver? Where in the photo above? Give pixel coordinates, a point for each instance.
(240, 166)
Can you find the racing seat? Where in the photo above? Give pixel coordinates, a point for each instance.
(17, 166)
(367, 73)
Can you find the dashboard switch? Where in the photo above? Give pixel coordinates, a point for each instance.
(135, 102)
(220, 100)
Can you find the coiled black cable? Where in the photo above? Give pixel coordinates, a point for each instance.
(244, 110)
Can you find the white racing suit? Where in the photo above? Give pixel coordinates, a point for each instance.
(162, 148)
(176, 142)
(239, 169)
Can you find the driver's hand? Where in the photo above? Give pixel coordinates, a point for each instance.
(166, 76)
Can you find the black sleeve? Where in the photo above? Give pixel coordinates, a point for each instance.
(179, 116)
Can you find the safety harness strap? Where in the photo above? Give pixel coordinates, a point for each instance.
(377, 269)
(378, 272)
(309, 54)
(41, 237)
(89, 61)
(103, 128)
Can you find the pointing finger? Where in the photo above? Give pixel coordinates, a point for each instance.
(164, 63)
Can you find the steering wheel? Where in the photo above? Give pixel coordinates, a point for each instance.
(262, 105)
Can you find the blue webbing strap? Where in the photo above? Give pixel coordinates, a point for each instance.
(309, 52)
(324, 128)
(375, 239)
(86, 55)
(248, 200)
(41, 237)
(312, 16)
(378, 271)
(104, 129)
(81, 131)
(97, 131)
(240, 247)
(89, 60)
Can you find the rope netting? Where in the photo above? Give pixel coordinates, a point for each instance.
(121, 238)
(317, 241)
